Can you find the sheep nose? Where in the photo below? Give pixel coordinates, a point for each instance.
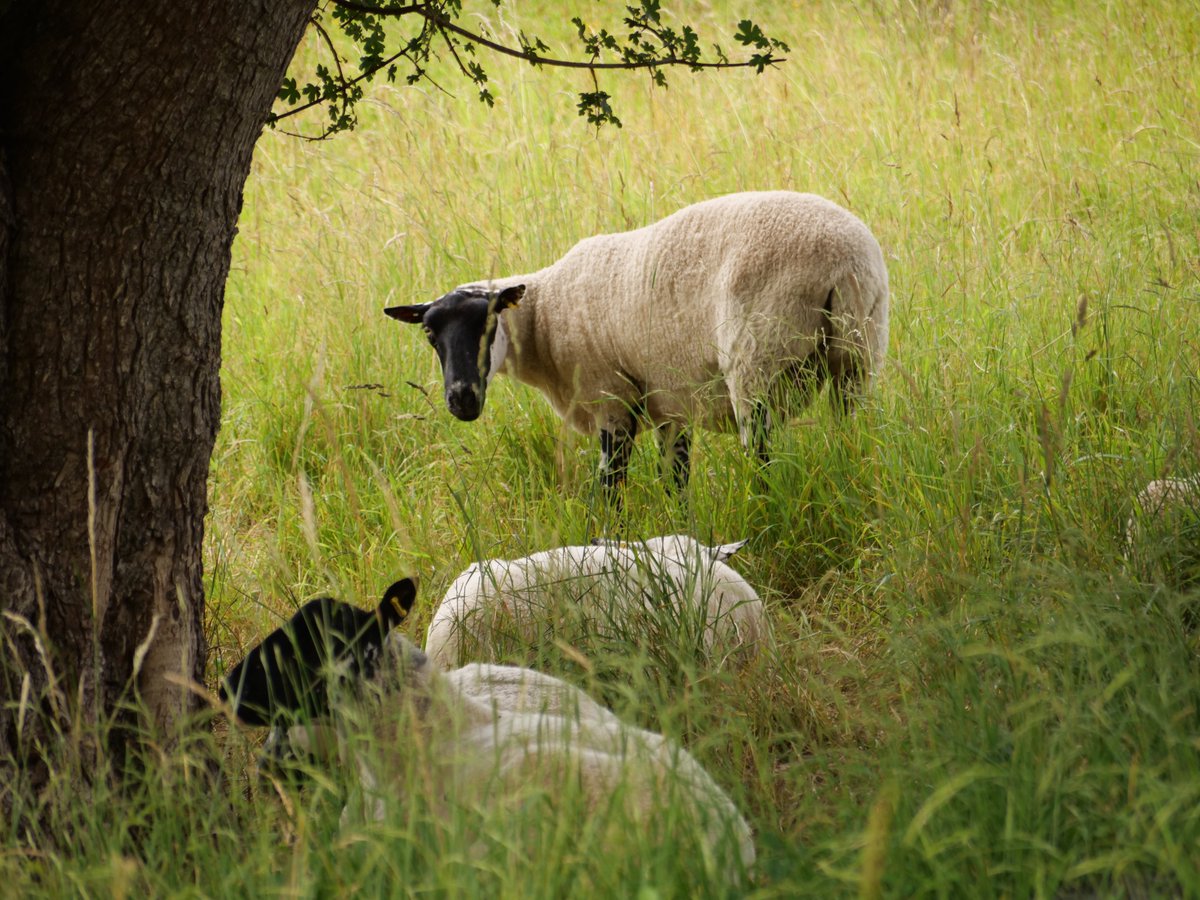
(464, 400)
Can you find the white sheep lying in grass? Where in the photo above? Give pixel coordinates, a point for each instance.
(617, 589)
(1163, 497)
(511, 689)
(695, 319)
(493, 737)
(1164, 530)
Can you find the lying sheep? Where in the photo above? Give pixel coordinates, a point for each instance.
(511, 689)
(604, 585)
(1164, 530)
(503, 690)
(698, 318)
(492, 737)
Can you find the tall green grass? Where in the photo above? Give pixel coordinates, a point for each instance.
(974, 692)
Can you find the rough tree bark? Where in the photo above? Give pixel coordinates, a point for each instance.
(126, 133)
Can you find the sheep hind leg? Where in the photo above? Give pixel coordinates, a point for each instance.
(852, 344)
(675, 445)
(846, 383)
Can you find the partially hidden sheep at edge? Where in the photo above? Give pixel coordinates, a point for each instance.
(695, 319)
(1164, 530)
(491, 736)
(615, 586)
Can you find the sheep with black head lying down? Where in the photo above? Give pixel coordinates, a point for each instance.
(295, 673)
(608, 586)
(492, 737)
(697, 318)
(288, 672)
(504, 690)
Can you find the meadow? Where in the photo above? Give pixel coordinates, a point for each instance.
(979, 689)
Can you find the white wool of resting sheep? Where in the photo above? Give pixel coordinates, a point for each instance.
(1164, 530)
(1161, 498)
(511, 689)
(694, 316)
(489, 735)
(606, 585)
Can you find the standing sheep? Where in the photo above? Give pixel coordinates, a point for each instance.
(697, 318)
(616, 588)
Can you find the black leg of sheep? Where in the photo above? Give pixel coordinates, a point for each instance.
(616, 446)
(676, 449)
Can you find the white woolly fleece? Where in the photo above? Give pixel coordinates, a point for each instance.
(607, 584)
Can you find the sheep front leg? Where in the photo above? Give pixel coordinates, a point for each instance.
(616, 445)
(675, 445)
(749, 388)
(753, 428)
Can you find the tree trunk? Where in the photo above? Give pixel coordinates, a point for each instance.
(126, 133)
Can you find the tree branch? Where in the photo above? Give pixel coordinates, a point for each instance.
(650, 45)
(381, 10)
(442, 21)
(453, 51)
(337, 60)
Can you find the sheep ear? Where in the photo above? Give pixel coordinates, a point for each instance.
(510, 297)
(722, 552)
(413, 314)
(398, 600)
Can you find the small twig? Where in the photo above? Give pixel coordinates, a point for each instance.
(323, 136)
(337, 61)
(453, 52)
(353, 81)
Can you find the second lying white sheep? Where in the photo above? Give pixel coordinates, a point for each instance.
(492, 738)
(608, 586)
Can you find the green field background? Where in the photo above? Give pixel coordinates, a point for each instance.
(979, 689)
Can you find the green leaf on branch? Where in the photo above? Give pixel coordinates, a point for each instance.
(288, 91)
(596, 107)
(750, 34)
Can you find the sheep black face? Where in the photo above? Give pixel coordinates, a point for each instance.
(287, 673)
(463, 326)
